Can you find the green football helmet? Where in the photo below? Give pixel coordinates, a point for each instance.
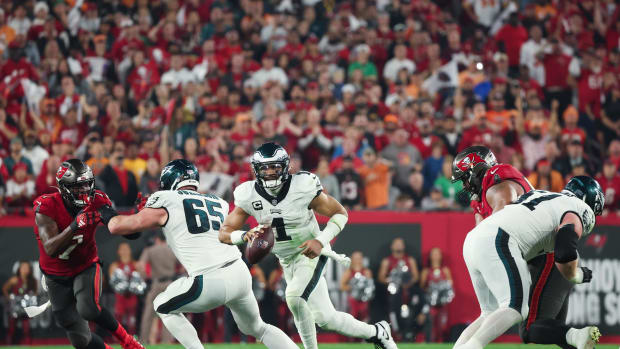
(587, 189)
(271, 156)
(177, 174)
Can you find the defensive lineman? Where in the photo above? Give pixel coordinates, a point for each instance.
(496, 252)
(287, 203)
(217, 276)
(493, 186)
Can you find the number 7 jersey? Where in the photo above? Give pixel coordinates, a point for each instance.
(533, 220)
(192, 229)
(288, 212)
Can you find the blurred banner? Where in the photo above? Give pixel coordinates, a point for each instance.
(372, 232)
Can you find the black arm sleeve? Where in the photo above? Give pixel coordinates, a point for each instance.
(566, 244)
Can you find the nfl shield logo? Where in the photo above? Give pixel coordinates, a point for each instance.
(274, 202)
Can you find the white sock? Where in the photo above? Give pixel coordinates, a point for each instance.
(469, 331)
(347, 325)
(182, 330)
(304, 321)
(274, 338)
(494, 326)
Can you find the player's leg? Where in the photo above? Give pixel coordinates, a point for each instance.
(63, 307)
(302, 275)
(546, 323)
(87, 292)
(187, 294)
(508, 278)
(244, 308)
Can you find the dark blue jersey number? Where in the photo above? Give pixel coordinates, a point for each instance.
(278, 223)
(199, 215)
(531, 205)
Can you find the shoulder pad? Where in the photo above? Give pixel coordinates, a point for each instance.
(243, 191)
(158, 199)
(101, 198)
(307, 181)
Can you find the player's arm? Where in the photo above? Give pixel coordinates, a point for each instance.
(502, 194)
(148, 218)
(566, 256)
(423, 277)
(325, 205)
(230, 232)
(53, 241)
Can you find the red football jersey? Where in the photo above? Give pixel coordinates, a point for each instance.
(82, 253)
(495, 175)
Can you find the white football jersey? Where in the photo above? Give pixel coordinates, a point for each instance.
(533, 220)
(288, 213)
(192, 229)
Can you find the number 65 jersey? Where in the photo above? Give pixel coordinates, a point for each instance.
(192, 229)
(288, 212)
(533, 220)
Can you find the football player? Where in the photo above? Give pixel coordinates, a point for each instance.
(492, 186)
(496, 252)
(287, 202)
(65, 231)
(217, 275)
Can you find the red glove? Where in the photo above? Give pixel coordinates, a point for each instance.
(141, 202)
(476, 206)
(85, 219)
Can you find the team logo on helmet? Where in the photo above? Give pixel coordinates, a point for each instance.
(61, 172)
(469, 162)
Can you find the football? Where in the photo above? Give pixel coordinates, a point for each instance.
(260, 246)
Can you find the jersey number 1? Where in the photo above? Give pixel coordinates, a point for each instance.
(198, 212)
(278, 223)
(78, 240)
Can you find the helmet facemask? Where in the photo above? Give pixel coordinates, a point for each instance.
(271, 175)
(79, 194)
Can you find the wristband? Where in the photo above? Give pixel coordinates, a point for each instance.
(578, 278)
(334, 226)
(73, 226)
(236, 237)
(107, 213)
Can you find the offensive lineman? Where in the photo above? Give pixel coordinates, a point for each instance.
(217, 276)
(493, 186)
(497, 249)
(287, 203)
(65, 231)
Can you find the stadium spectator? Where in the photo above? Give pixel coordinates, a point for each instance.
(574, 157)
(404, 156)
(21, 284)
(432, 165)
(157, 263)
(328, 180)
(350, 182)
(125, 303)
(415, 190)
(359, 308)
(435, 201)
(15, 157)
(431, 277)
(34, 152)
(376, 176)
(149, 183)
(19, 188)
(46, 180)
(610, 182)
(544, 178)
(119, 183)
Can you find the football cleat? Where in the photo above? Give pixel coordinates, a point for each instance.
(383, 339)
(587, 337)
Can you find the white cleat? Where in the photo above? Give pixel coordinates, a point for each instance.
(587, 337)
(383, 339)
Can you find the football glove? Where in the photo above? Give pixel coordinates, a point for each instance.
(85, 219)
(587, 275)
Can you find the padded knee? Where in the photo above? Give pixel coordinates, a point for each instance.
(87, 309)
(77, 330)
(255, 329)
(327, 320)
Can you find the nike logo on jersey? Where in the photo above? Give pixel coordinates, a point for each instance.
(494, 170)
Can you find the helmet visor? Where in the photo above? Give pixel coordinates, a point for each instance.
(270, 171)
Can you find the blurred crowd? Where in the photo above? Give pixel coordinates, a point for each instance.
(376, 97)
(412, 295)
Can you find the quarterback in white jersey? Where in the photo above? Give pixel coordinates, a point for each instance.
(287, 203)
(191, 222)
(496, 253)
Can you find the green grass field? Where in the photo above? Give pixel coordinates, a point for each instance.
(333, 346)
